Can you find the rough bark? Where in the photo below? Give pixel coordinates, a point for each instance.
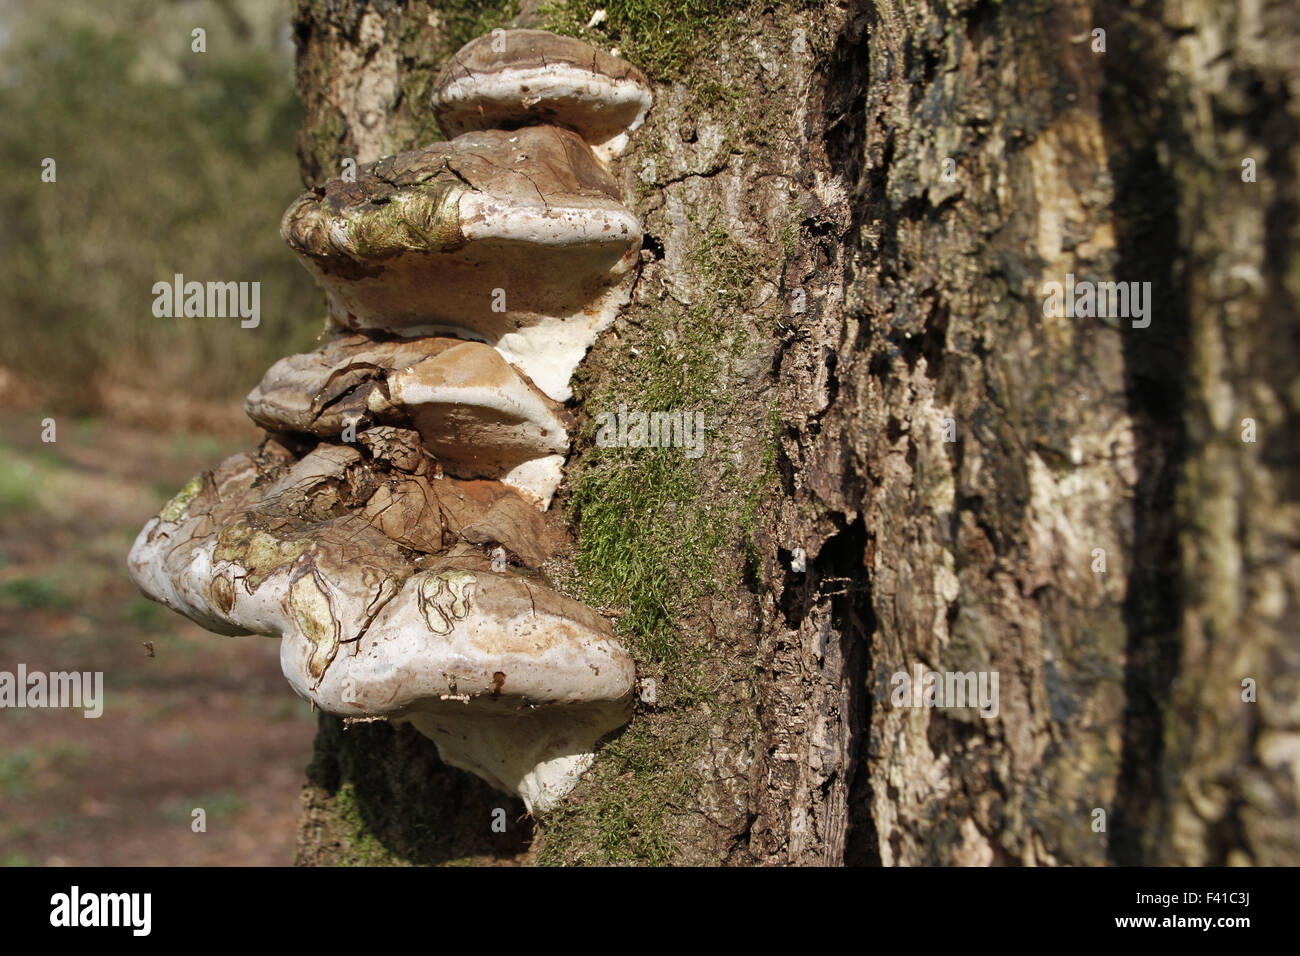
(801, 157)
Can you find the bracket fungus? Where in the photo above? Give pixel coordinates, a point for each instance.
(525, 77)
(513, 238)
(389, 529)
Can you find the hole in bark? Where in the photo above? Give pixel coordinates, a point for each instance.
(653, 245)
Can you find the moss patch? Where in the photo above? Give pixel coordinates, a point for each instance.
(630, 804)
(37, 591)
(464, 20)
(662, 538)
(175, 509)
(662, 37)
(651, 527)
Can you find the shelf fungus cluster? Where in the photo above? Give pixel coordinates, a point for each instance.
(389, 529)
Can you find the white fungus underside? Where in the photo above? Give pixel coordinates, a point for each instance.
(535, 755)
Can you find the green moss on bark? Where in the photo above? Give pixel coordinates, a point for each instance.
(662, 37)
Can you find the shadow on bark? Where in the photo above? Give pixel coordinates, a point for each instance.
(1139, 128)
(389, 784)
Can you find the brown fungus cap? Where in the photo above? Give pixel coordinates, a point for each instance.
(514, 238)
(474, 412)
(515, 78)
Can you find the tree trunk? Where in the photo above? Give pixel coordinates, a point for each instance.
(851, 220)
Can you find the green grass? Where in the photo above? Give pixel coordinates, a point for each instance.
(186, 447)
(36, 592)
(16, 771)
(146, 616)
(85, 430)
(57, 826)
(19, 767)
(20, 480)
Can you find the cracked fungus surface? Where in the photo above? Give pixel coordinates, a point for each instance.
(258, 552)
(445, 599)
(312, 609)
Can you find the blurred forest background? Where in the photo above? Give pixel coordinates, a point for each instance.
(168, 161)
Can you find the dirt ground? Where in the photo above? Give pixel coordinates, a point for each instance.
(207, 722)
